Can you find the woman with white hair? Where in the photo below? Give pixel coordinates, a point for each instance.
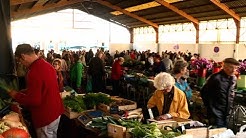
(168, 99)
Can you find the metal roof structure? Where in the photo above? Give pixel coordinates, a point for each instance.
(137, 13)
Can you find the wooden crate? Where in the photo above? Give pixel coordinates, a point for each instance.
(103, 107)
(70, 114)
(198, 132)
(181, 121)
(116, 131)
(215, 131)
(174, 122)
(64, 94)
(106, 108)
(185, 136)
(161, 124)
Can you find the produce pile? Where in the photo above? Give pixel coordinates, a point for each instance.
(135, 128)
(76, 103)
(10, 126)
(86, 102)
(94, 99)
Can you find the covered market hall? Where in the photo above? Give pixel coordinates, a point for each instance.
(123, 68)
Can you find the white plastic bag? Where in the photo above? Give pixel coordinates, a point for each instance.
(226, 134)
(241, 133)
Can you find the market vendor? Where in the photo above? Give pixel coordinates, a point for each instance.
(168, 99)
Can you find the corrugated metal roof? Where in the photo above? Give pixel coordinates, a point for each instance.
(199, 9)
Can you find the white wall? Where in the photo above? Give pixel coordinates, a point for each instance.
(119, 47)
(225, 51)
(178, 47)
(241, 51)
(205, 50)
(145, 46)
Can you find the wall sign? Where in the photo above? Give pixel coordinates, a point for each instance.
(176, 47)
(216, 49)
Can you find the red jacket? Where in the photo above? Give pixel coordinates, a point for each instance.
(42, 96)
(116, 71)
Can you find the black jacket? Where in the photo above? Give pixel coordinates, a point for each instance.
(96, 67)
(218, 94)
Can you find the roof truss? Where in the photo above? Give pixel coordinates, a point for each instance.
(16, 2)
(105, 3)
(226, 9)
(180, 12)
(39, 7)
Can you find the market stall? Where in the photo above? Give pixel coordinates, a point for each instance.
(116, 117)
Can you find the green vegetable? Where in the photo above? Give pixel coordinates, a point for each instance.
(146, 131)
(76, 103)
(12, 85)
(169, 134)
(94, 99)
(102, 122)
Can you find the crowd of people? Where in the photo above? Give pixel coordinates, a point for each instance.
(73, 67)
(169, 70)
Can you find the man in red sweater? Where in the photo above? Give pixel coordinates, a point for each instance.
(42, 96)
(116, 75)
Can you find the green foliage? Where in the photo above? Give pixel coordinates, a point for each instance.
(76, 103)
(2, 104)
(102, 122)
(146, 131)
(8, 85)
(67, 88)
(139, 130)
(93, 99)
(169, 134)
